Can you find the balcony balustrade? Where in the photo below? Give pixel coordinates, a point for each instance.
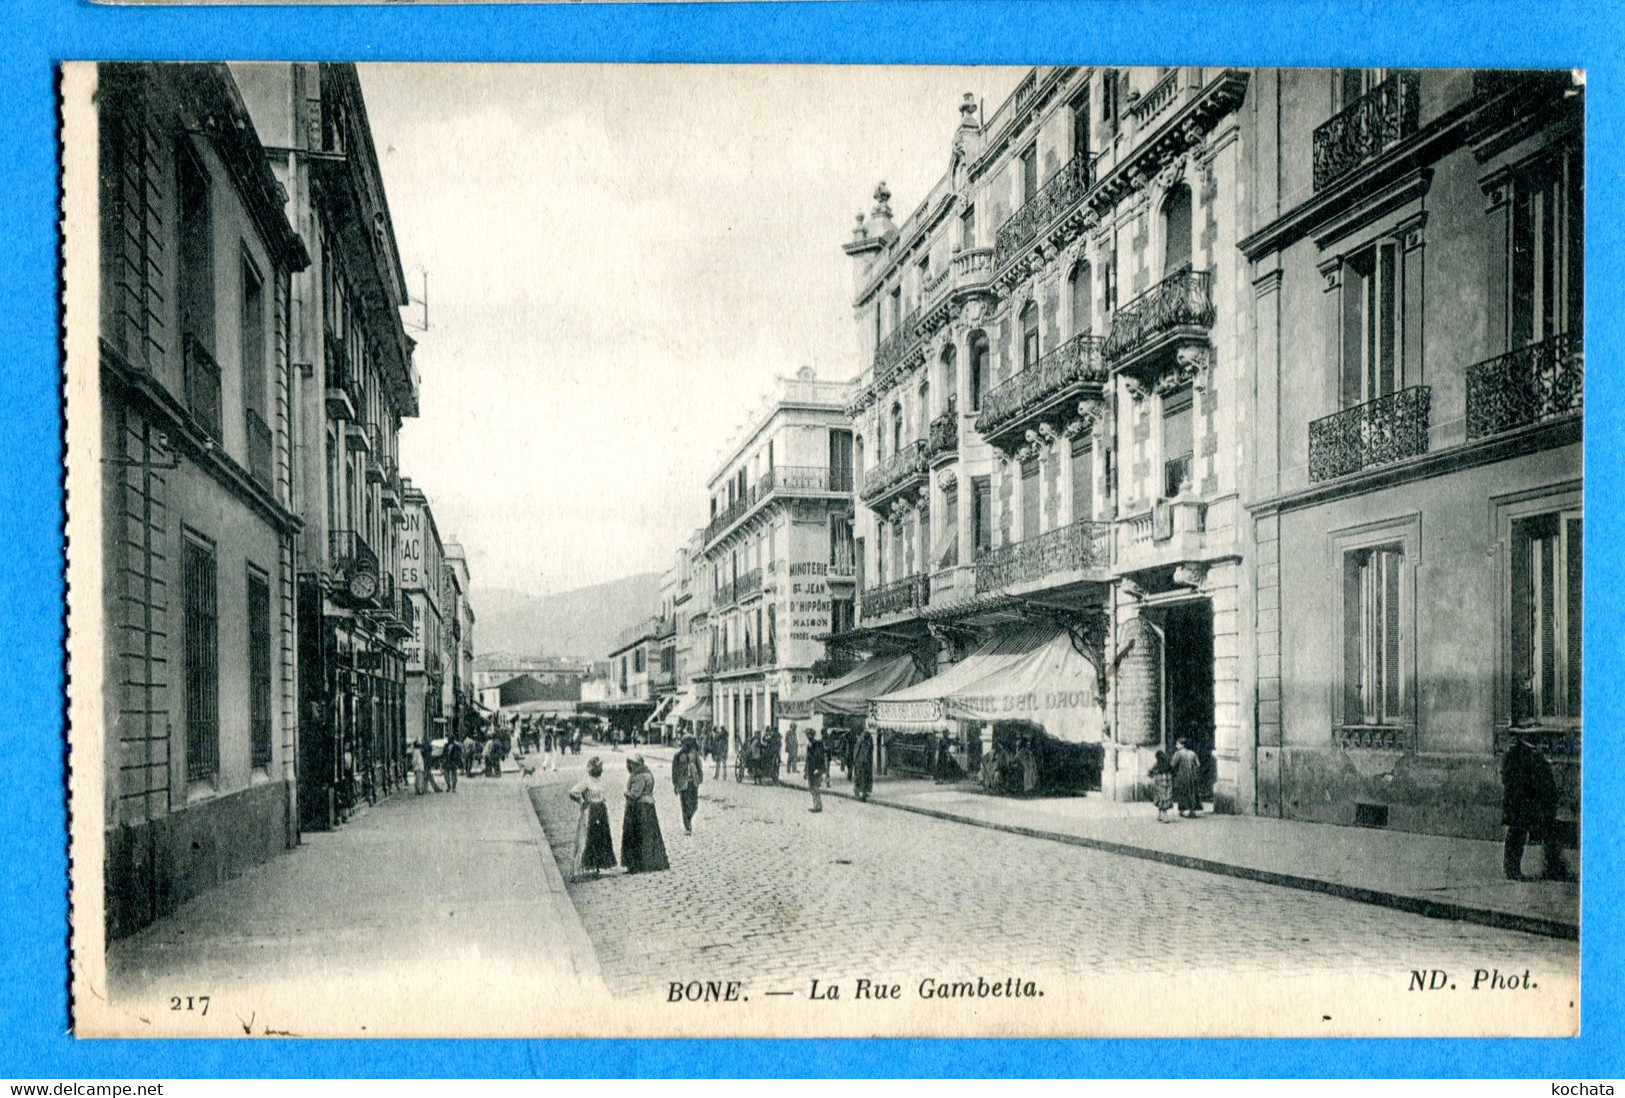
(202, 381)
(903, 470)
(901, 340)
(342, 385)
(1379, 432)
(1062, 193)
(1367, 128)
(912, 593)
(1155, 101)
(1180, 306)
(1057, 378)
(780, 480)
(748, 583)
(1540, 382)
(744, 659)
(942, 441)
(1083, 545)
(259, 448)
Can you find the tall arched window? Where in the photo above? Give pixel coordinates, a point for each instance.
(1029, 335)
(978, 369)
(1176, 224)
(897, 428)
(950, 379)
(1082, 320)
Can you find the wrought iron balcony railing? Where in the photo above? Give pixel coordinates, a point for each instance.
(1540, 382)
(202, 381)
(911, 593)
(892, 349)
(896, 473)
(781, 480)
(748, 583)
(1075, 363)
(1183, 300)
(1367, 127)
(943, 437)
(1068, 549)
(1388, 429)
(1064, 190)
(259, 447)
(344, 398)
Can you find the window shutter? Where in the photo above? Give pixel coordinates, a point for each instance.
(1523, 631)
(1083, 480)
(1353, 634)
(1393, 676)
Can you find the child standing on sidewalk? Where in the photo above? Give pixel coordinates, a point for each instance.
(1162, 785)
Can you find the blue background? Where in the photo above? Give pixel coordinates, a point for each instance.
(33, 874)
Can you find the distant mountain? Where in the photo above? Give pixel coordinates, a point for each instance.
(584, 622)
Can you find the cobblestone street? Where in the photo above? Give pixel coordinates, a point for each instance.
(770, 894)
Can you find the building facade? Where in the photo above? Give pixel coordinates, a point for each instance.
(457, 636)
(1416, 257)
(355, 360)
(423, 563)
(201, 539)
(1051, 402)
(630, 696)
(778, 551)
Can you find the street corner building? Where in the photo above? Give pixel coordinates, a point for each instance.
(199, 493)
(1262, 389)
(254, 374)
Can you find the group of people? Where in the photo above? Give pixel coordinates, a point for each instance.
(1176, 780)
(643, 849)
(449, 757)
(541, 735)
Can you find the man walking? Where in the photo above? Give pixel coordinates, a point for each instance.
(453, 762)
(817, 767)
(1529, 810)
(687, 772)
(792, 748)
(1187, 780)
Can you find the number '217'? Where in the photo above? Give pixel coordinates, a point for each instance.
(199, 1003)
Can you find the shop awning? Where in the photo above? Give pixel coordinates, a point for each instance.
(679, 702)
(660, 711)
(1054, 686)
(850, 695)
(697, 713)
(926, 702)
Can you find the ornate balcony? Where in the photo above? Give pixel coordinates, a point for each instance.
(1148, 334)
(969, 273)
(1082, 546)
(1046, 392)
(1534, 384)
(1062, 194)
(913, 593)
(1367, 128)
(1379, 432)
(900, 473)
(259, 448)
(202, 381)
(893, 351)
(748, 584)
(942, 441)
(1155, 101)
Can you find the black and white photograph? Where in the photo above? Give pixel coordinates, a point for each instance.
(563, 550)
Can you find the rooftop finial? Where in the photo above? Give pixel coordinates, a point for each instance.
(882, 210)
(967, 109)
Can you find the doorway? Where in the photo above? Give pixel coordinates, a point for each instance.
(1188, 681)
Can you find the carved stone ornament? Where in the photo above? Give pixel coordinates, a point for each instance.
(1136, 389)
(1136, 179)
(1190, 574)
(947, 480)
(1047, 433)
(975, 311)
(860, 231)
(1132, 590)
(882, 208)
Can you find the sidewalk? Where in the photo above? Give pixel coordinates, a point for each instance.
(405, 920)
(1431, 875)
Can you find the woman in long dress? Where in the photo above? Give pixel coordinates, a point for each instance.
(863, 765)
(642, 848)
(595, 851)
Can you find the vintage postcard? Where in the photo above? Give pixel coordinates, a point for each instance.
(823, 551)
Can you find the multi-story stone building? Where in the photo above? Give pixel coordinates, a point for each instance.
(1050, 412)
(778, 552)
(423, 563)
(199, 424)
(457, 634)
(630, 698)
(356, 383)
(1416, 262)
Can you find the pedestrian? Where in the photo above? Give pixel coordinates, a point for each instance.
(642, 848)
(944, 759)
(687, 772)
(451, 763)
(1529, 810)
(1187, 780)
(1162, 786)
(863, 766)
(419, 766)
(817, 767)
(1027, 755)
(489, 755)
(792, 748)
(594, 849)
(719, 751)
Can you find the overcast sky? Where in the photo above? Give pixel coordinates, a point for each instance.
(620, 259)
